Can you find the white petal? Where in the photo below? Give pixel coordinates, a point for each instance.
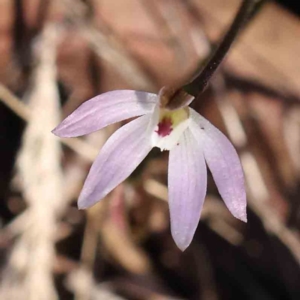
(224, 164)
(118, 158)
(106, 109)
(187, 180)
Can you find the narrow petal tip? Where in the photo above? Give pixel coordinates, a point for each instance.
(55, 131)
(81, 206)
(181, 242)
(182, 248)
(244, 219)
(243, 216)
(86, 198)
(240, 212)
(59, 131)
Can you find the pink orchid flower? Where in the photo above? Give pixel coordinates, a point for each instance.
(192, 141)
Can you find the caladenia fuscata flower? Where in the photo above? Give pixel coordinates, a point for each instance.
(165, 121)
(192, 141)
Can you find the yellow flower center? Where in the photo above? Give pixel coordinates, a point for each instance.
(168, 120)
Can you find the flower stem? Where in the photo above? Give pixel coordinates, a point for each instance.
(201, 79)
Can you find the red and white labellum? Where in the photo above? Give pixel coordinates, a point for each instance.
(165, 127)
(170, 127)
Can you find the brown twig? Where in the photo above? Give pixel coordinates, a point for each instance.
(165, 23)
(109, 48)
(17, 106)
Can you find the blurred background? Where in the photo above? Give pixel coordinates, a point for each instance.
(56, 54)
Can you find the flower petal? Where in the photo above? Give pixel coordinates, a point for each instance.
(187, 180)
(118, 158)
(106, 109)
(224, 164)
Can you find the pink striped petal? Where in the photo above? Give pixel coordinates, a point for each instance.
(187, 188)
(224, 164)
(118, 158)
(106, 109)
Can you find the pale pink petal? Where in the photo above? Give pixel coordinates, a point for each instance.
(118, 158)
(224, 164)
(187, 178)
(106, 109)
